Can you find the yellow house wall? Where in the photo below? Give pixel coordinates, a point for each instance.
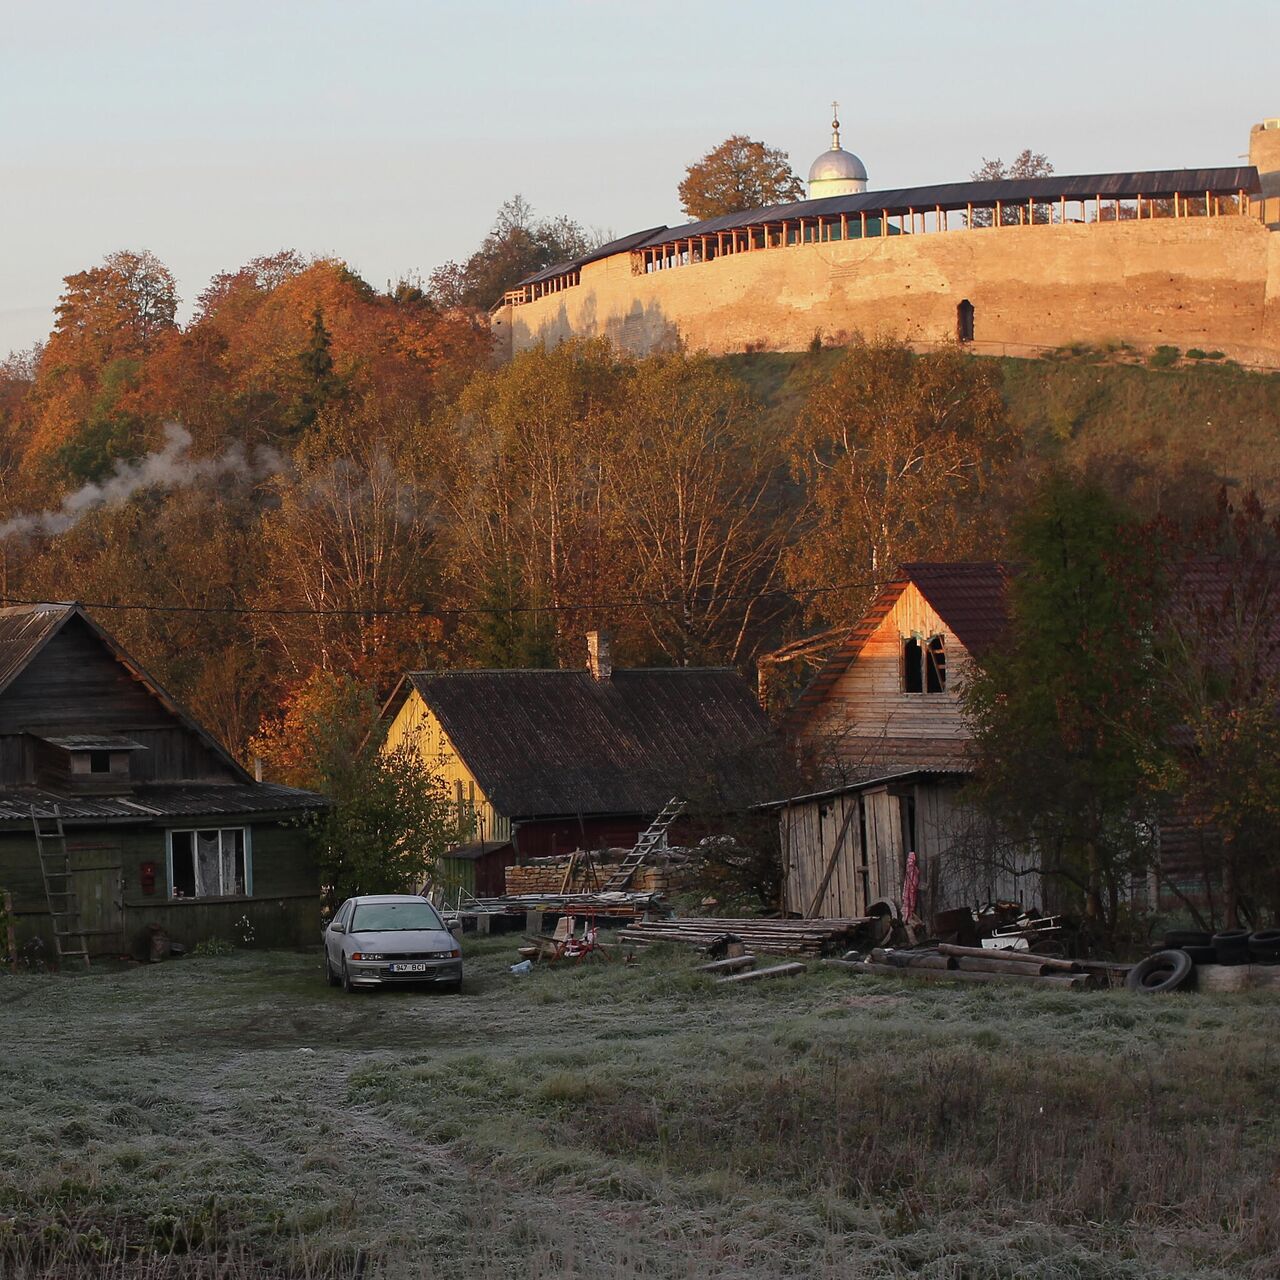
(1207, 282)
(867, 702)
(417, 726)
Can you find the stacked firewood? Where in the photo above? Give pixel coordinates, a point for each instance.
(772, 937)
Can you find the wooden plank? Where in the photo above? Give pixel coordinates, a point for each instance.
(816, 901)
(777, 971)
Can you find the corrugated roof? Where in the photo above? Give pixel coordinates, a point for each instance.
(24, 631)
(158, 803)
(548, 743)
(1151, 184)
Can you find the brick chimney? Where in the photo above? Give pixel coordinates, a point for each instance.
(599, 655)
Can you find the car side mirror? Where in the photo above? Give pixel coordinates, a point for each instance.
(337, 928)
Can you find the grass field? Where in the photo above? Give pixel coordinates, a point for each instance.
(233, 1116)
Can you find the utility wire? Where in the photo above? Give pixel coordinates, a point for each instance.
(426, 610)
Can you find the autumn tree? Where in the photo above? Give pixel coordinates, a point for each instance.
(391, 816)
(1026, 164)
(1068, 733)
(898, 456)
(524, 498)
(1219, 668)
(738, 174)
(518, 245)
(691, 475)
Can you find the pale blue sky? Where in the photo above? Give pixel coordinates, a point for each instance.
(387, 132)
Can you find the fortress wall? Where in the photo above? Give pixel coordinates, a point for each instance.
(1194, 282)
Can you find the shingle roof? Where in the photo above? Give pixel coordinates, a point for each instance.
(548, 743)
(969, 597)
(160, 802)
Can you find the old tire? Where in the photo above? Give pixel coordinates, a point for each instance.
(1180, 939)
(1264, 946)
(1232, 946)
(329, 976)
(346, 979)
(1202, 955)
(1165, 971)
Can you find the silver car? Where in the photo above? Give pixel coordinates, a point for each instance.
(389, 939)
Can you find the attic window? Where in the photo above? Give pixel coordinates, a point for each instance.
(99, 761)
(924, 666)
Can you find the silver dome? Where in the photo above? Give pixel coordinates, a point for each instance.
(837, 164)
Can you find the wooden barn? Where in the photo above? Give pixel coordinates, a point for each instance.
(144, 818)
(553, 761)
(882, 720)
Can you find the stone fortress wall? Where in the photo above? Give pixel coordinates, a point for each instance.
(1207, 282)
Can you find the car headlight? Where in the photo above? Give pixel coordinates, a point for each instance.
(367, 955)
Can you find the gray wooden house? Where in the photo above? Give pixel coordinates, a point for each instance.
(160, 825)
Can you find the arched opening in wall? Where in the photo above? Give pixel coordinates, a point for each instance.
(964, 321)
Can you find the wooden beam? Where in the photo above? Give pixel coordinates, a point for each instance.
(777, 971)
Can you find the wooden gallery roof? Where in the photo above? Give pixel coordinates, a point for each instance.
(550, 743)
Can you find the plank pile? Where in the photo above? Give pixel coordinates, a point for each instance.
(772, 937)
(950, 963)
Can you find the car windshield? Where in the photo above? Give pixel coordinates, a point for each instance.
(390, 917)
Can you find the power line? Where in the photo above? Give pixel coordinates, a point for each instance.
(429, 611)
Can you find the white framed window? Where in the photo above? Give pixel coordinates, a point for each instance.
(210, 862)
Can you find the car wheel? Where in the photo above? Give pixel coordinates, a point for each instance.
(346, 978)
(329, 976)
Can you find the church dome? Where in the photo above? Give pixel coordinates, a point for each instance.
(836, 172)
(837, 163)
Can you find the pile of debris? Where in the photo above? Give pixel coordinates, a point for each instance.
(951, 962)
(772, 937)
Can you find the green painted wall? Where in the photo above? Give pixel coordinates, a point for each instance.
(108, 861)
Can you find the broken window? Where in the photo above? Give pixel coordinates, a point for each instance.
(208, 863)
(924, 666)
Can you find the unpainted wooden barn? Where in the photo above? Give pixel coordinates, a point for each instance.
(883, 720)
(161, 825)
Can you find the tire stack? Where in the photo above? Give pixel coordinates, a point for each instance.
(1264, 946)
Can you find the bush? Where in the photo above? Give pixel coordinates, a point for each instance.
(1163, 357)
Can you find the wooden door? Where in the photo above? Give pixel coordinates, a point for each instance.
(98, 881)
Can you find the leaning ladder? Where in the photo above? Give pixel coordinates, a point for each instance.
(645, 845)
(69, 939)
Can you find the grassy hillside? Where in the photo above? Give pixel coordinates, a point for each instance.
(1159, 434)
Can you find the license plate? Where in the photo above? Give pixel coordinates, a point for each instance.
(408, 968)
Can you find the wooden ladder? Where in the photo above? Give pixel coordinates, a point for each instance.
(644, 845)
(55, 870)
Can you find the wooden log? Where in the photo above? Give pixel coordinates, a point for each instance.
(730, 965)
(997, 964)
(1073, 981)
(913, 959)
(1027, 957)
(778, 971)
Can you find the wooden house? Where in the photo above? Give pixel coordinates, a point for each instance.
(882, 722)
(161, 826)
(554, 760)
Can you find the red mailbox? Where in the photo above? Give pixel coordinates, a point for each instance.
(147, 877)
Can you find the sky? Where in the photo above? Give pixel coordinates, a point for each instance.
(388, 132)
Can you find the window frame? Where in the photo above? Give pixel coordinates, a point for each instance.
(246, 835)
(927, 664)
